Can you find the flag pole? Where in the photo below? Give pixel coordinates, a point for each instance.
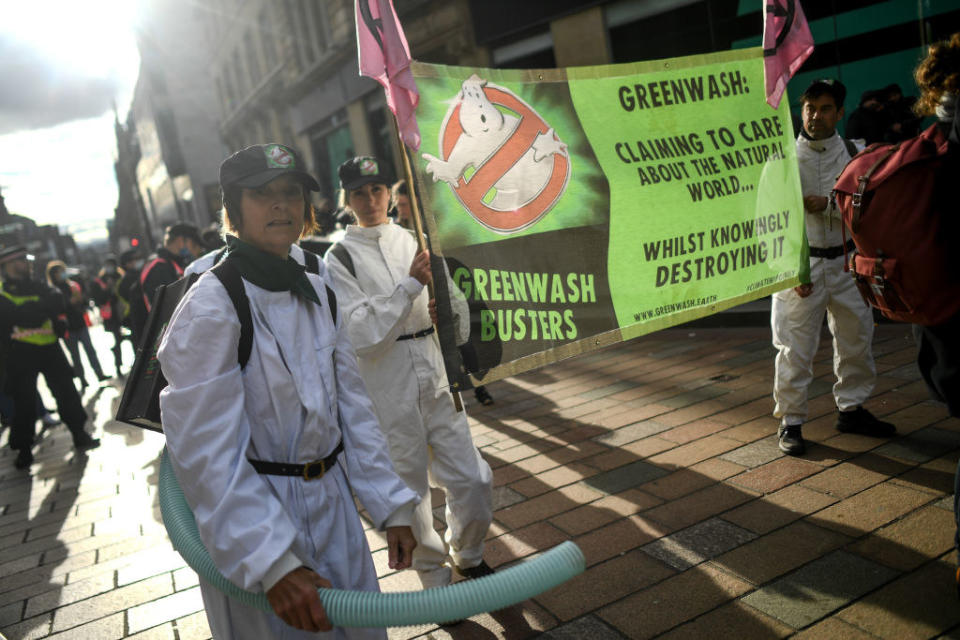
(418, 226)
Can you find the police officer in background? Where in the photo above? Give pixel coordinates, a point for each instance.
(131, 261)
(28, 309)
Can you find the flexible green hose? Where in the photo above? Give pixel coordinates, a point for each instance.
(372, 608)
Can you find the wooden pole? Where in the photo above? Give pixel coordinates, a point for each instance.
(418, 223)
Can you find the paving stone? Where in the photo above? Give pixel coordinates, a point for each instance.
(69, 593)
(672, 601)
(698, 543)
(194, 627)
(604, 510)
(755, 454)
(819, 588)
(870, 509)
(626, 477)
(844, 480)
(775, 475)
(835, 629)
(106, 628)
(696, 451)
(699, 505)
(503, 497)
(678, 484)
(161, 632)
(692, 397)
(916, 605)
(164, 609)
(632, 433)
(945, 503)
(29, 629)
(777, 553)
(585, 627)
(603, 583)
(910, 541)
(922, 446)
(116, 600)
(732, 620)
(11, 613)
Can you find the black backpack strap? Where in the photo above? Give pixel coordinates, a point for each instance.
(341, 254)
(230, 278)
(332, 301)
(311, 261)
(851, 147)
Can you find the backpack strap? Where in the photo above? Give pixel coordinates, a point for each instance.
(332, 301)
(232, 281)
(856, 198)
(311, 261)
(341, 253)
(851, 147)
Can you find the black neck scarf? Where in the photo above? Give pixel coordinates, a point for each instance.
(270, 272)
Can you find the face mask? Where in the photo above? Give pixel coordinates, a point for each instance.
(186, 256)
(138, 265)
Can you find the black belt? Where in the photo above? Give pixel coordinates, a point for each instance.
(418, 334)
(308, 471)
(831, 252)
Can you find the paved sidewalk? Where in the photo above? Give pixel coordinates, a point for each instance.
(657, 457)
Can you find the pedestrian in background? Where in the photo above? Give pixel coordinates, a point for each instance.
(182, 243)
(76, 310)
(130, 295)
(104, 291)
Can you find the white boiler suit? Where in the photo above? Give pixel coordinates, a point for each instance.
(299, 394)
(407, 383)
(796, 321)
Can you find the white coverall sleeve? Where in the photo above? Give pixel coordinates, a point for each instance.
(373, 322)
(372, 476)
(245, 529)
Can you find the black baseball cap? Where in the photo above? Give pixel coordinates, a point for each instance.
(14, 252)
(362, 170)
(259, 164)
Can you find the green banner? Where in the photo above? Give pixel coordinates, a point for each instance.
(580, 207)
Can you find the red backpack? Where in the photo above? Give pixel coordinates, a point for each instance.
(901, 263)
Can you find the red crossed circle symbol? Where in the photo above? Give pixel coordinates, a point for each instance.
(472, 192)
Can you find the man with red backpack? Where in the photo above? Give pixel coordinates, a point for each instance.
(797, 314)
(181, 244)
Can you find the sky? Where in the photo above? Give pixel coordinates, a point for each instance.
(63, 64)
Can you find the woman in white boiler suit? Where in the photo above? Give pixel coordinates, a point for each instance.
(388, 316)
(240, 440)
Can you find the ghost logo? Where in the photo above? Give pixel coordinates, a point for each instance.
(504, 163)
(279, 157)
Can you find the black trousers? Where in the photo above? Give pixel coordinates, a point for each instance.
(24, 364)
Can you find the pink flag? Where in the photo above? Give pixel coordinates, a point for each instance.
(385, 56)
(787, 43)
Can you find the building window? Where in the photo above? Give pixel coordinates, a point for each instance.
(319, 30)
(331, 144)
(301, 26)
(381, 130)
(253, 61)
(268, 40)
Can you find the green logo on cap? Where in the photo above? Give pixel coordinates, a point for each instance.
(279, 157)
(368, 167)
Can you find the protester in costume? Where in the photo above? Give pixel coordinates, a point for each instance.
(797, 314)
(386, 310)
(938, 347)
(243, 442)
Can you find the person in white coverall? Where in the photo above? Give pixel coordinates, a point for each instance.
(797, 314)
(246, 443)
(388, 316)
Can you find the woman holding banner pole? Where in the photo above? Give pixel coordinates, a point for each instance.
(380, 276)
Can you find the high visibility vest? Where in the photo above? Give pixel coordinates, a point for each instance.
(39, 336)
